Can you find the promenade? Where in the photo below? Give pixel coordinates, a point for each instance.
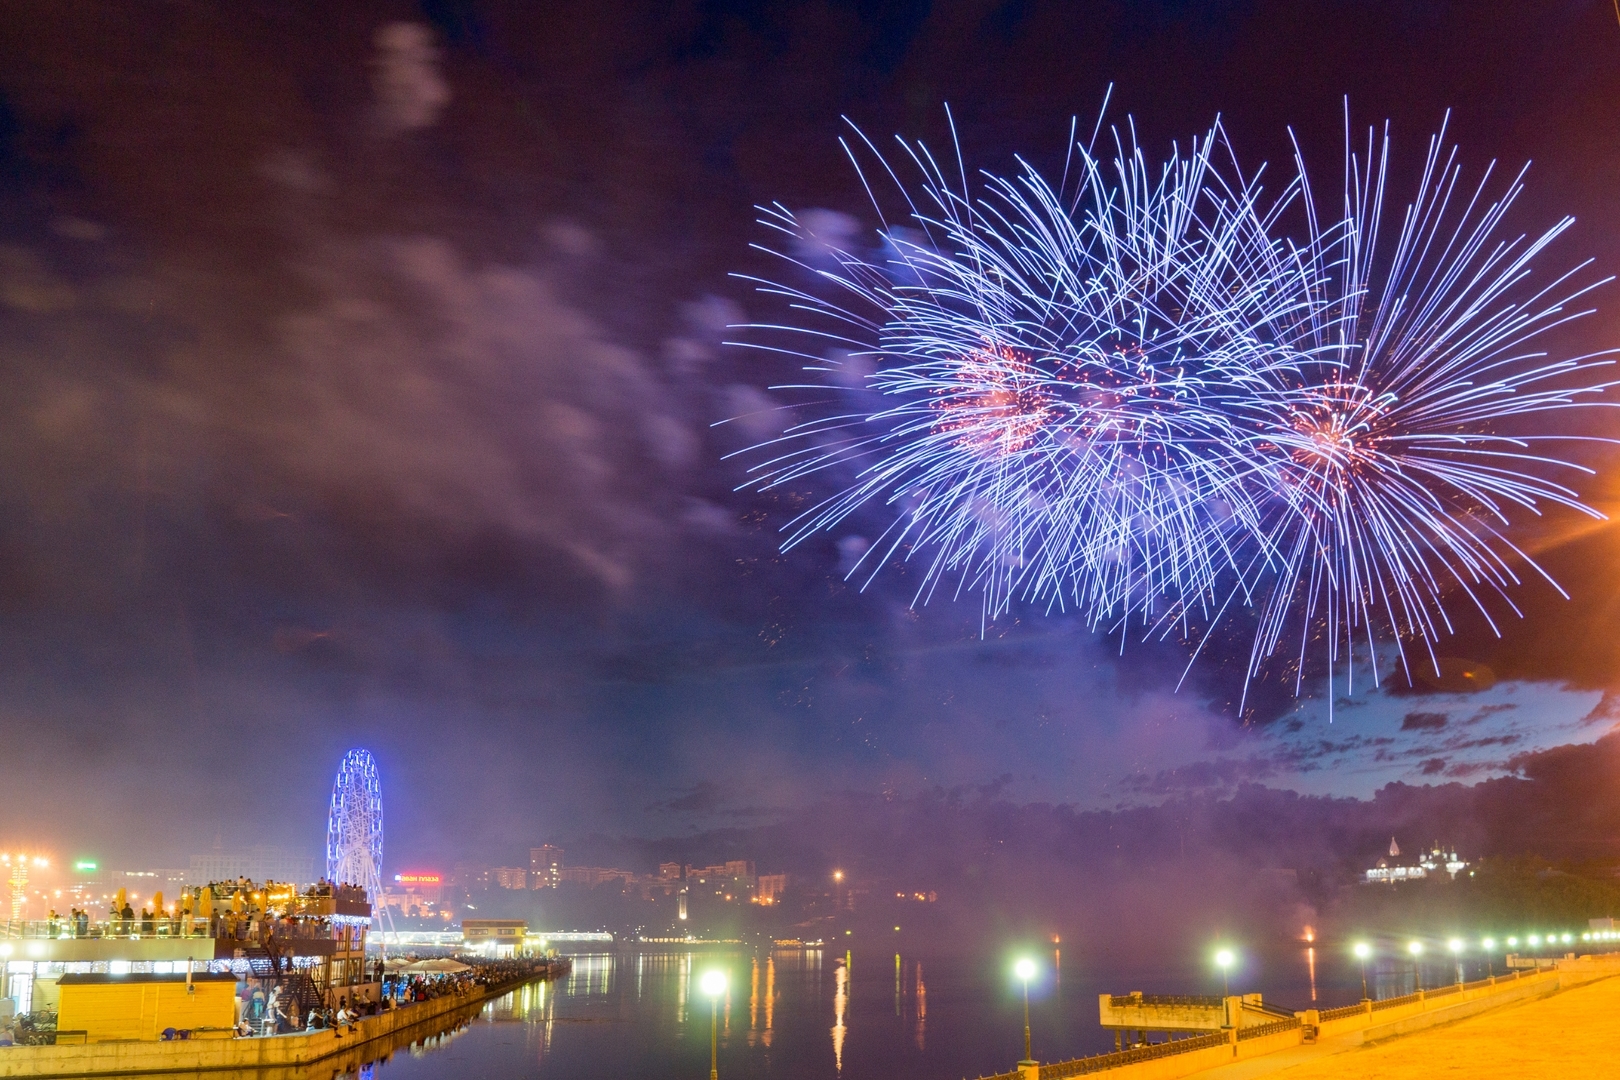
(1566, 1035)
(1556, 1020)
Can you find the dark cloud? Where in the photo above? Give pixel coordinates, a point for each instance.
(1423, 721)
(704, 797)
(360, 366)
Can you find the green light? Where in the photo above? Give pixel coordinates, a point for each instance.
(84, 865)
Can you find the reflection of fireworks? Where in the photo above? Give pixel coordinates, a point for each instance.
(1133, 397)
(1057, 379)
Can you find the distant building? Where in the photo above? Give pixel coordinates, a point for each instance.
(146, 882)
(737, 870)
(671, 871)
(768, 887)
(509, 877)
(545, 866)
(592, 876)
(423, 886)
(1429, 865)
(261, 863)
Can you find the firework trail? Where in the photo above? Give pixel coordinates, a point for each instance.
(1425, 411)
(1134, 396)
(1058, 376)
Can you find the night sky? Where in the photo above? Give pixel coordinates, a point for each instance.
(360, 363)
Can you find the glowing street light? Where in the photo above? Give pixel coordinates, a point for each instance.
(1224, 959)
(1456, 947)
(1416, 949)
(1362, 951)
(713, 983)
(1489, 945)
(1025, 970)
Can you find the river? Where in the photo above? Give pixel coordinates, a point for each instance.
(830, 1015)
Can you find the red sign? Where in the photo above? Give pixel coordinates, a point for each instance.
(417, 879)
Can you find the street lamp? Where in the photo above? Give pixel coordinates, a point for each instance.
(1416, 949)
(1362, 951)
(1224, 959)
(1489, 945)
(1456, 947)
(1025, 970)
(713, 983)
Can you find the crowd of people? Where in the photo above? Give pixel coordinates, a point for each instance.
(269, 1009)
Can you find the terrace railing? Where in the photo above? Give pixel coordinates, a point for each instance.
(45, 929)
(1152, 1052)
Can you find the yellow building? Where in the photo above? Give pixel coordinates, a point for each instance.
(498, 937)
(120, 1007)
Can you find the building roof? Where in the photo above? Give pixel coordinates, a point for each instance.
(76, 979)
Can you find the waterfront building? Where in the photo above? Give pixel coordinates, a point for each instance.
(121, 1008)
(545, 866)
(494, 937)
(309, 943)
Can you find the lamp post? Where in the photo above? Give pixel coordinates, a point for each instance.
(1456, 947)
(1224, 959)
(1416, 949)
(1489, 945)
(1025, 970)
(714, 984)
(1362, 951)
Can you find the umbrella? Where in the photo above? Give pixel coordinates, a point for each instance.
(440, 966)
(395, 963)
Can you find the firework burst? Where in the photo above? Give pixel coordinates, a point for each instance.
(1134, 396)
(1424, 411)
(1056, 377)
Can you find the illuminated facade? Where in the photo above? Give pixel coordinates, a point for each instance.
(1431, 864)
(310, 942)
(545, 866)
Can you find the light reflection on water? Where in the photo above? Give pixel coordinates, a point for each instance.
(852, 1015)
(796, 1015)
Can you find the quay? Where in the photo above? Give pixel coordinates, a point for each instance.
(268, 1056)
(1354, 1041)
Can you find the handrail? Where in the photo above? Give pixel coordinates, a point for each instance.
(64, 928)
(1102, 1062)
(1275, 1027)
(1396, 1002)
(1341, 1012)
(1123, 1001)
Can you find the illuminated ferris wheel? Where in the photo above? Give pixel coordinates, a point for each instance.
(354, 827)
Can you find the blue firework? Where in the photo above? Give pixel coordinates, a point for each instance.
(1147, 394)
(1426, 412)
(1057, 377)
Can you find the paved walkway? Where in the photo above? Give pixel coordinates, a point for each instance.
(1569, 1035)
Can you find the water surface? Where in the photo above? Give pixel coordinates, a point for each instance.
(832, 1015)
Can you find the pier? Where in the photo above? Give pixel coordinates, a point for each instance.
(366, 1037)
